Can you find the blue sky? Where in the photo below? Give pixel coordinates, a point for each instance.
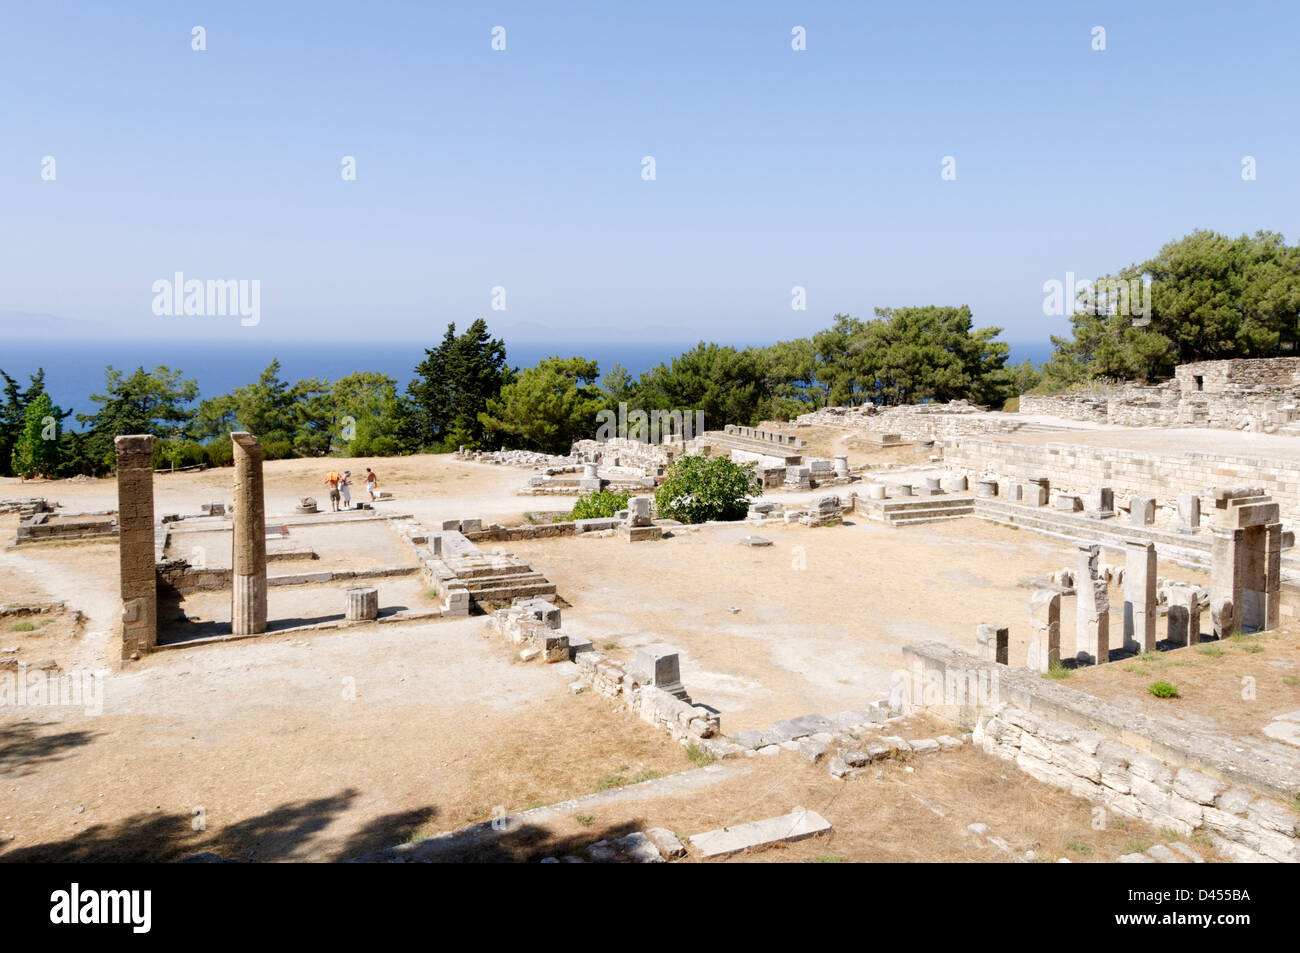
(522, 168)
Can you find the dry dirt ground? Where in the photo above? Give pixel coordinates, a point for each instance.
(916, 810)
(333, 744)
(1236, 685)
(824, 613)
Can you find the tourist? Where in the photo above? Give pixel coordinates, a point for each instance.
(345, 487)
(332, 481)
(372, 481)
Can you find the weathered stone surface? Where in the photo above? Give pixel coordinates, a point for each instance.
(993, 642)
(812, 751)
(797, 825)
(1197, 787)
(1140, 596)
(669, 847)
(248, 562)
(1044, 630)
(137, 580)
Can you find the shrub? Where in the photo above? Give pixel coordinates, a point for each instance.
(1163, 690)
(699, 489)
(598, 505)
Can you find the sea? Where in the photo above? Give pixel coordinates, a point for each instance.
(75, 369)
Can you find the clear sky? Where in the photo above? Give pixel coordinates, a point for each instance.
(522, 168)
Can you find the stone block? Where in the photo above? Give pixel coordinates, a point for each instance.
(795, 826)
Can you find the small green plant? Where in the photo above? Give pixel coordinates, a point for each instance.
(1213, 651)
(585, 819)
(1137, 847)
(600, 505)
(698, 756)
(1078, 847)
(826, 859)
(535, 804)
(1252, 648)
(1141, 670)
(1169, 834)
(1058, 671)
(1163, 690)
(649, 775)
(23, 627)
(610, 781)
(1151, 657)
(1291, 681)
(610, 646)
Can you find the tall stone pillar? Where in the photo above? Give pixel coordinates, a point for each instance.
(1092, 620)
(248, 561)
(1139, 596)
(1044, 630)
(135, 538)
(1227, 554)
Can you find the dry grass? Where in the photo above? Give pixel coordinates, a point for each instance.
(901, 816)
(1211, 680)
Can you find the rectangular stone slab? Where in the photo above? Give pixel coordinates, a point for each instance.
(795, 826)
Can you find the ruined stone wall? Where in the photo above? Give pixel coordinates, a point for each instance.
(1159, 769)
(619, 451)
(1255, 395)
(1075, 468)
(1274, 375)
(915, 421)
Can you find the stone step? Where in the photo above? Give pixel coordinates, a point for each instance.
(480, 583)
(928, 519)
(507, 594)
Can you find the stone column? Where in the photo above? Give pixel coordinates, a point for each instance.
(993, 642)
(362, 603)
(1142, 511)
(1227, 554)
(135, 539)
(248, 561)
(1184, 616)
(1189, 513)
(1092, 620)
(1140, 596)
(1044, 630)
(1272, 572)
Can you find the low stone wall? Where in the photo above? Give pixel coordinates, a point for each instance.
(685, 722)
(1077, 468)
(1158, 769)
(535, 624)
(44, 526)
(915, 421)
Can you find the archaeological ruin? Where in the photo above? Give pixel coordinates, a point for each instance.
(1030, 573)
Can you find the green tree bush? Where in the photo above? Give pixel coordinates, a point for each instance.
(698, 489)
(600, 505)
(36, 452)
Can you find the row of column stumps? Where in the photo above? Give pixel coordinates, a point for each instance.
(1245, 582)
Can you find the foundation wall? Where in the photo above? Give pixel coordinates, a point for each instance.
(1165, 771)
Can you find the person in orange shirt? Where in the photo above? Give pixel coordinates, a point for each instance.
(332, 481)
